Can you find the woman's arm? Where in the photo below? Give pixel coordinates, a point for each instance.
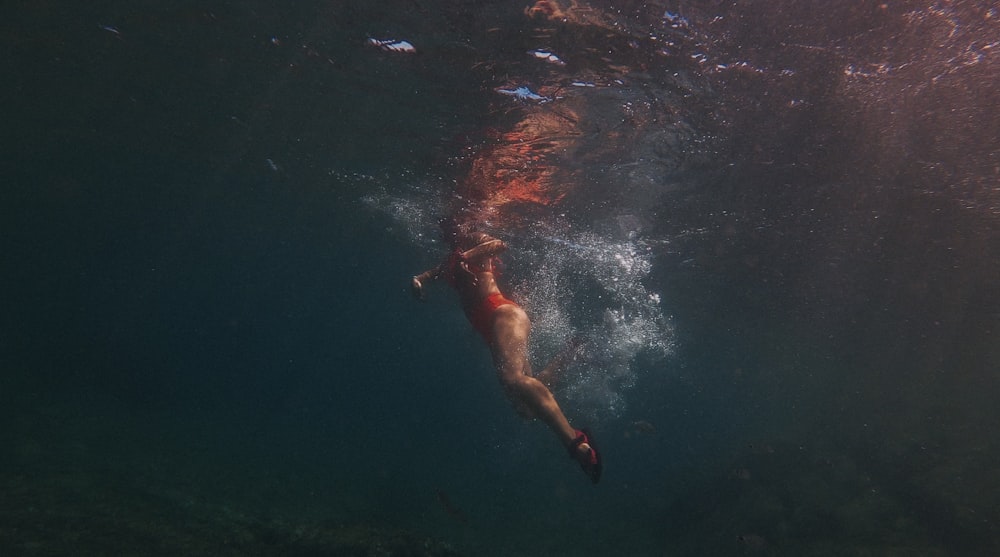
(484, 250)
(417, 283)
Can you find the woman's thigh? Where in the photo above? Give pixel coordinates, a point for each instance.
(511, 327)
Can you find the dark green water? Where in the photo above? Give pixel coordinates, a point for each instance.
(779, 234)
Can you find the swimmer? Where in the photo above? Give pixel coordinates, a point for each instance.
(470, 270)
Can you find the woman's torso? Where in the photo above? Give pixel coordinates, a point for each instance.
(474, 280)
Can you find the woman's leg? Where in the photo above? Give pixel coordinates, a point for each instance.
(510, 355)
(554, 370)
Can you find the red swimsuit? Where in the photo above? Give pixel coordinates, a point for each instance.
(480, 313)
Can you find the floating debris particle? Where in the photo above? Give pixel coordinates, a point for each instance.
(393, 45)
(524, 94)
(547, 56)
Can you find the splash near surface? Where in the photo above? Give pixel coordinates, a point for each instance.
(577, 286)
(571, 177)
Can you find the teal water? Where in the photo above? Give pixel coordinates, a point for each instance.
(776, 230)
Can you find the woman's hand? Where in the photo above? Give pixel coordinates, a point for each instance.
(417, 289)
(470, 276)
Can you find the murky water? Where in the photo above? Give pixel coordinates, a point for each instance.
(773, 226)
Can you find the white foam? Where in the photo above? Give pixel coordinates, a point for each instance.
(574, 285)
(591, 288)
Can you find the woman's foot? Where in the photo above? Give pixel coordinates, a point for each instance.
(584, 452)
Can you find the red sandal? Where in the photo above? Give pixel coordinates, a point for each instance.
(590, 462)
